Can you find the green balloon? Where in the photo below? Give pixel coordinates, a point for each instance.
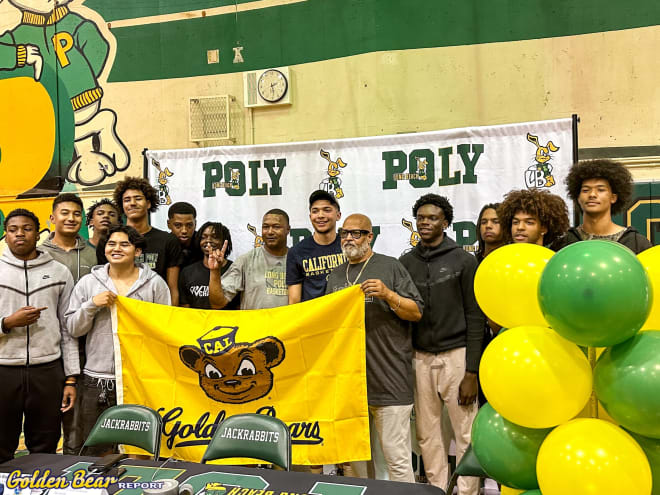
(651, 448)
(595, 293)
(507, 451)
(532, 492)
(627, 383)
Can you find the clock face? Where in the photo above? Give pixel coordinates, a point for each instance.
(272, 85)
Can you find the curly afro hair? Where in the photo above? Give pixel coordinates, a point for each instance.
(614, 173)
(437, 200)
(139, 184)
(549, 208)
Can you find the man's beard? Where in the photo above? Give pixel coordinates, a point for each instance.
(356, 251)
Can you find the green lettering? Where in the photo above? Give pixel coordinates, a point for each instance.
(376, 230)
(466, 233)
(257, 190)
(298, 235)
(389, 157)
(323, 488)
(235, 176)
(212, 175)
(422, 163)
(275, 189)
(463, 149)
(445, 180)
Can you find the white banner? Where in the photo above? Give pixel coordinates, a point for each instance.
(381, 177)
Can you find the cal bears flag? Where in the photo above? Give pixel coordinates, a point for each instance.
(304, 364)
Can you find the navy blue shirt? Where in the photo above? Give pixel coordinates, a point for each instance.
(309, 263)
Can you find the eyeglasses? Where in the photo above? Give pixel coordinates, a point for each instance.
(355, 234)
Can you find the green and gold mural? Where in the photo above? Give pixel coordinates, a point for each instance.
(86, 85)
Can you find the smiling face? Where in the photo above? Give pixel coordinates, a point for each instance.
(119, 251)
(242, 374)
(183, 227)
(596, 197)
(527, 228)
(135, 205)
(356, 250)
(67, 218)
(324, 216)
(431, 224)
(22, 237)
(274, 231)
(210, 240)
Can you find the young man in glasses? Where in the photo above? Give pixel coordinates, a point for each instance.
(447, 340)
(391, 303)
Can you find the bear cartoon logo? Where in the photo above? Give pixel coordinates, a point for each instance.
(233, 372)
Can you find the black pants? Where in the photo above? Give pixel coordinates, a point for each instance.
(30, 399)
(96, 395)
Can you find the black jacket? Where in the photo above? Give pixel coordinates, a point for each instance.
(632, 239)
(444, 276)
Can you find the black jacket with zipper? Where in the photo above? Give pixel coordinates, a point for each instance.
(444, 276)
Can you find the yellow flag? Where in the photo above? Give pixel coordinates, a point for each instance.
(303, 363)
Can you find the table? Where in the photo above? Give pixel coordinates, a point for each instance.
(237, 480)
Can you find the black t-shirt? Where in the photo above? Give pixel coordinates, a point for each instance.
(309, 263)
(194, 286)
(163, 251)
(192, 253)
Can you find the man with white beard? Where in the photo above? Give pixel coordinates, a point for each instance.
(388, 313)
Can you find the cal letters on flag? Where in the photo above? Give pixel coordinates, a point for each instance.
(303, 363)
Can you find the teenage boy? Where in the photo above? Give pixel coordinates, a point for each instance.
(194, 279)
(447, 340)
(137, 198)
(259, 274)
(391, 303)
(533, 216)
(489, 231)
(89, 314)
(39, 360)
(182, 220)
(310, 261)
(65, 245)
(100, 217)
(602, 188)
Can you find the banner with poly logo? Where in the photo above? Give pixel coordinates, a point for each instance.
(381, 177)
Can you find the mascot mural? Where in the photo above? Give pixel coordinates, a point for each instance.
(56, 51)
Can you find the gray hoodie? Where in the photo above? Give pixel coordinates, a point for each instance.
(84, 318)
(78, 260)
(41, 282)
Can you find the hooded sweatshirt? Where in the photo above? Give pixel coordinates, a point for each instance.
(630, 238)
(40, 282)
(84, 318)
(444, 276)
(78, 260)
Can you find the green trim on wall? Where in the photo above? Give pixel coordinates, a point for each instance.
(116, 10)
(325, 29)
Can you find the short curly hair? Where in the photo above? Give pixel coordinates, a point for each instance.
(618, 177)
(437, 200)
(94, 206)
(549, 208)
(139, 184)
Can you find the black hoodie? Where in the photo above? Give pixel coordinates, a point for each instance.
(632, 239)
(444, 276)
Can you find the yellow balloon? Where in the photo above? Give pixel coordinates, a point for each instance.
(506, 282)
(592, 457)
(510, 491)
(534, 377)
(650, 259)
